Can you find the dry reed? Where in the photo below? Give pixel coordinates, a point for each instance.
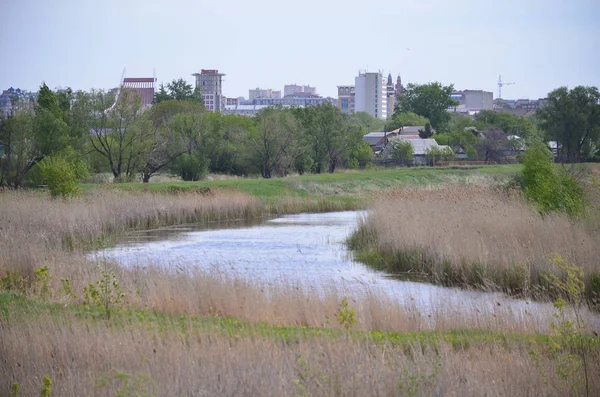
(189, 362)
(474, 236)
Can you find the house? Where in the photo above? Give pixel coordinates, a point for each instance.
(421, 147)
(378, 140)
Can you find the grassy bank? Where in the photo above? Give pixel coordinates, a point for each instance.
(141, 351)
(475, 237)
(351, 185)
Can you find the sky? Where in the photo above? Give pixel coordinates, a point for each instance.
(537, 44)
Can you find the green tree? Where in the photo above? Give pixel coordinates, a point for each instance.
(20, 151)
(572, 119)
(428, 100)
(199, 134)
(426, 132)
(510, 124)
(166, 142)
(118, 132)
(331, 139)
(405, 119)
(367, 121)
(177, 90)
(28, 137)
(550, 187)
(273, 140)
(400, 150)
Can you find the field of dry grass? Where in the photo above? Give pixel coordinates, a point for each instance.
(82, 359)
(475, 237)
(54, 333)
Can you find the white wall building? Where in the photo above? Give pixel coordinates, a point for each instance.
(370, 94)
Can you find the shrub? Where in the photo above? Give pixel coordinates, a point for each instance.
(62, 172)
(551, 188)
(191, 166)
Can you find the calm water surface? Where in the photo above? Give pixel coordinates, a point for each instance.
(305, 250)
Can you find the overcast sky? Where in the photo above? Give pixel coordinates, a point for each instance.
(83, 44)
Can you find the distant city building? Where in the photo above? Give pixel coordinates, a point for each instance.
(293, 89)
(143, 86)
(232, 101)
(15, 99)
(346, 99)
(370, 94)
(260, 93)
(210, 84)
(519, 107)
(473, 101)
(399, 88)
(250, 107)
(391, 95)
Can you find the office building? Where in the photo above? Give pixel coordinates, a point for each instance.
(370, 94)
(210, 84)
(471, 101)
(346, 99)
(260, 93)
(293, 89)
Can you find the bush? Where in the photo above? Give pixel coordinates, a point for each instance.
(551, 188)
(191, 166)
(62, 172)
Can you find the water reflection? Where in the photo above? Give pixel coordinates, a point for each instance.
(305, 250)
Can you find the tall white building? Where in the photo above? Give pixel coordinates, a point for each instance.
(370, 94)
(210, 84)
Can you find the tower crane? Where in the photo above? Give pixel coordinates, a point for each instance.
(500, 85)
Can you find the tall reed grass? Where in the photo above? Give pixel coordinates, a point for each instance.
(473, 237)
(83, 360)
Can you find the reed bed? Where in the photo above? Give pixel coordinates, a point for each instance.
(81, 354)
(477, 237)
(82, 359)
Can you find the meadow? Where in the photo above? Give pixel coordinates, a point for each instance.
(101, 330)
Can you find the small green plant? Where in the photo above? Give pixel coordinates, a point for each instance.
(47, 389)
(12, 281)
(42, 278)
(136, 385)
(106, 292)
(15, 390)
(346, 315)
(66, 290)
(568, 344)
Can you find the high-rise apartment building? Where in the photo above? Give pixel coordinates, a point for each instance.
(346, 98)
(293, 89)
(210, 84)
(260, 93)
(370, 94)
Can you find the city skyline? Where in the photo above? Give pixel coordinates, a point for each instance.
(539, 46)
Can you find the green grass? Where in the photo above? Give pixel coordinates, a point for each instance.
(355, 184)
(15, 307)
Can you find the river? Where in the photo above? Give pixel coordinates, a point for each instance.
(306, 251)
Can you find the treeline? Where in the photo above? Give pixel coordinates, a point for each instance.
(175, 135)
